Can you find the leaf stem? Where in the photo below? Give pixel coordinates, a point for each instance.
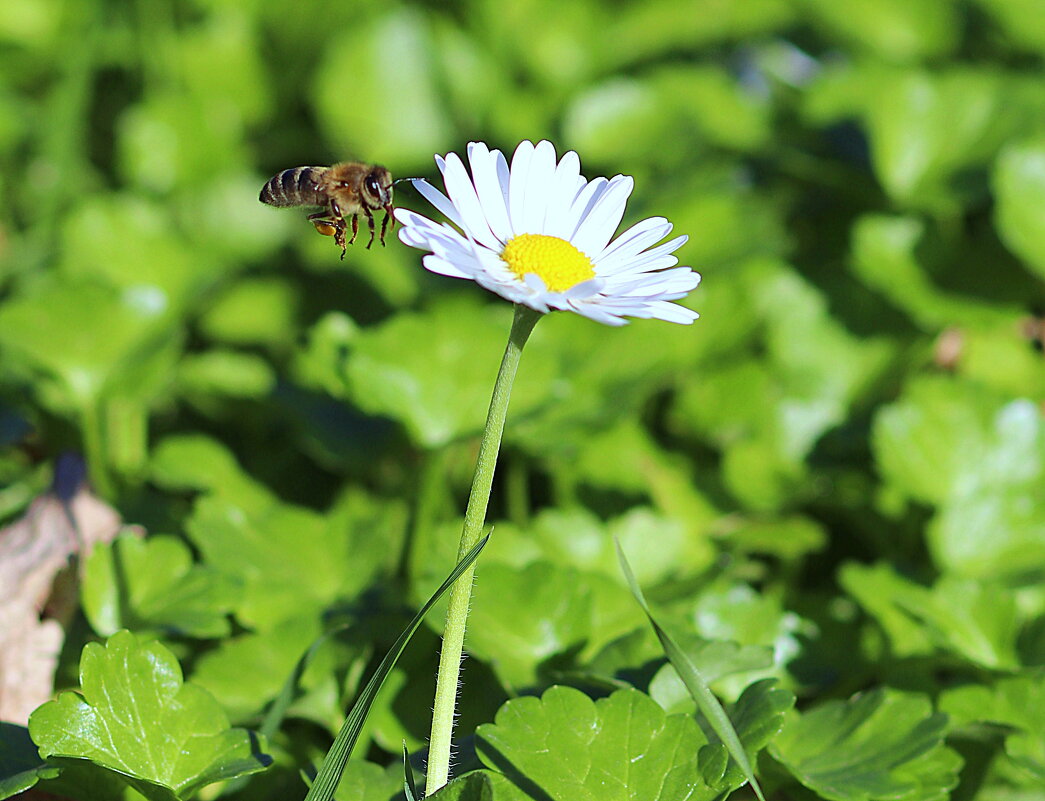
(457, 611)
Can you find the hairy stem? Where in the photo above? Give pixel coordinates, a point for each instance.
(457, 612)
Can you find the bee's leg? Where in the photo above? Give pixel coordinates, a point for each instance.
(355, 228)
(384, 226)
(339, 237)
(330, 227)
(370, 222)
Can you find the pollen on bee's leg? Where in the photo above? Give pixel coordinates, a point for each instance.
(325, 227)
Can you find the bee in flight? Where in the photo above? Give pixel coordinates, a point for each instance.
(344, 190)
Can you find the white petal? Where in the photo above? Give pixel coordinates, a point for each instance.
(675, 282)
(671, 312)
(493, 195)
(539, 176)
(437, 199)
(585, 199)
(641, 235)
(461, 191)
(585, 289)
(639, 263)
(435, 264)
(565, 185)
(517, 185)
(596, 229)
(598, 313)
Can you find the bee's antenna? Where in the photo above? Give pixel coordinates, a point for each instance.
(400, 180)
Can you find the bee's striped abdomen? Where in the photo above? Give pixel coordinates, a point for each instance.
(298, 186)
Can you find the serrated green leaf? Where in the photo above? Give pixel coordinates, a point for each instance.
(152, 584)
(566, 747)
(878, 745)
(575, 537)
(137, 717)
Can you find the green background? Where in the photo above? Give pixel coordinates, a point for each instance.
(840, 465)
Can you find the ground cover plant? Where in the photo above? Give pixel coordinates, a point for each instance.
(233, 467)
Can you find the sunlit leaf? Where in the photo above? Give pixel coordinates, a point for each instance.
(137, 718)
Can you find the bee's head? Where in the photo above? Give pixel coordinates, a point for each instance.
(377, 189)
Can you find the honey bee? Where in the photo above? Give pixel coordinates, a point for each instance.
(344, 190)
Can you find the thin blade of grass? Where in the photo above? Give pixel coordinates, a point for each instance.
(707, 703)
(409, 786)
(334, 763)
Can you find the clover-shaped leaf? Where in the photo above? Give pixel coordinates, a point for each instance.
(137, 718)
(567, 747)
(878, 745)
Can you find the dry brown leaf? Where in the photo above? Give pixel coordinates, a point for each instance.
(38, 554)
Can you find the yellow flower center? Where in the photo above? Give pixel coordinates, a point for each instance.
(559, 264)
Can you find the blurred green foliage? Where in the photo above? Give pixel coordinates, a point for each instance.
(837, 473)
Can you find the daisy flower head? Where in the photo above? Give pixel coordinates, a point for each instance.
(539, 233)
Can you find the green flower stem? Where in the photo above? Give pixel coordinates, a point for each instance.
(460, 595)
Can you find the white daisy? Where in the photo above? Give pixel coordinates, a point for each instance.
(538, 233)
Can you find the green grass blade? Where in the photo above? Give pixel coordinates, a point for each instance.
(409, 787)
(329, 775)
(707, 703)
